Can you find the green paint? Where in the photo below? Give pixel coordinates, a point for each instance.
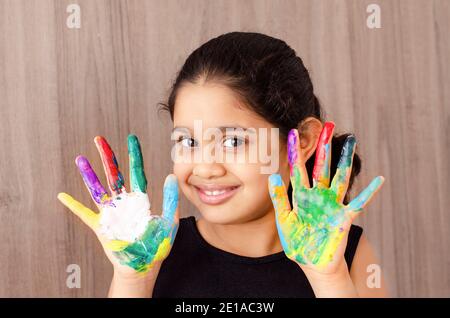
(319, 214)
(312, 232)
(142, 252)
(344, 166)
(137, 175)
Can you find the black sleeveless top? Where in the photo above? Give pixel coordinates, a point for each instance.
(194, 268)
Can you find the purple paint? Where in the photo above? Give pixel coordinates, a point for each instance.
(91, 180)
(292, 147)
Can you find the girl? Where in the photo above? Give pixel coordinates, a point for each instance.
(256, 238)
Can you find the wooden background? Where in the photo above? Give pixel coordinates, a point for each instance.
(60, 87)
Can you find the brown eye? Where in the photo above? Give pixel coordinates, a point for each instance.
(187, 142)
(233, 142)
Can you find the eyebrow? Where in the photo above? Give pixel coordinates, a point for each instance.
(222, 128)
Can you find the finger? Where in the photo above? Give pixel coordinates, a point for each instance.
(138, 180)
(339, 185)
(96, 189)
(279, 196)
(358, 203)
(175, 225)
(321, 171)
(295, 157)
(170, 198)
(115, 180)
(89, 217)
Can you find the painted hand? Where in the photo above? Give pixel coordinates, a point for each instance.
(314, 233)
(131, 237)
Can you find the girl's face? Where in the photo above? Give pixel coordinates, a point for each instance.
(225, 191)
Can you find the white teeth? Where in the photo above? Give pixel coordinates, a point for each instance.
(215, 192)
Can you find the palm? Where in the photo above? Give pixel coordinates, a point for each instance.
(313, 232)
(317, 226)
(151, 247)
(133, 239)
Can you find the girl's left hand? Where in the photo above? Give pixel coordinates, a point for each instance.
(314, 233)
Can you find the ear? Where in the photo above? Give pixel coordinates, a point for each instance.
(309, 132)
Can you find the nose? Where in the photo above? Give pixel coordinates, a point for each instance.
(209, 170)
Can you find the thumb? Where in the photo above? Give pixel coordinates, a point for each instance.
(279, 195)
(170, 199)
(89, 217)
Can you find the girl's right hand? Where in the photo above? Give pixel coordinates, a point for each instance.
(133, 239)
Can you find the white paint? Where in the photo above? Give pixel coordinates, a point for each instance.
(127, 219)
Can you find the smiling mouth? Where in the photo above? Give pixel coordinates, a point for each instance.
(216, 196)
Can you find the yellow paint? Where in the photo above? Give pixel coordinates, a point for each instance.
(84, 213)
(163, 250)
(328, 253)
(161, 254)
(282, 200)
(117, 245)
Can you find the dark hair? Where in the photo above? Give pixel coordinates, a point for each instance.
(269, 77)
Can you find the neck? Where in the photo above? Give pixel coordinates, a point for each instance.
(254, 238)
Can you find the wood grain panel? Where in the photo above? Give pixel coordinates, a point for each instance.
(61, 87)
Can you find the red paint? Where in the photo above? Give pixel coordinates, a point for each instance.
(325, 137)
(115, 179)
